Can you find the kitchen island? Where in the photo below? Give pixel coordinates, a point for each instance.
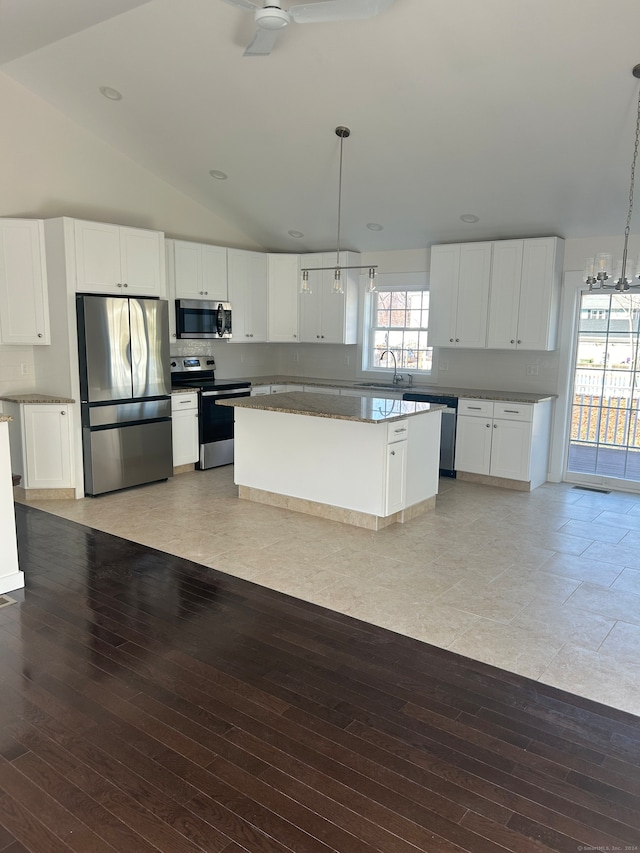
(10, 575)
(365, 461)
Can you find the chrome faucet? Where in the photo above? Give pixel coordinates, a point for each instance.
(396, 376)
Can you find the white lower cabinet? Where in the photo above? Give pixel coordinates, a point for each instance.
(503, 439)
(41, 444)
(261, 390)
(396, 477)
(184, 424)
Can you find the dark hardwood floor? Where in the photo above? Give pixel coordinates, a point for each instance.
(150, 704)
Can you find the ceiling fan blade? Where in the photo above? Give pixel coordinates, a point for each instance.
(244, 4)
(338, 10)
(262, 43)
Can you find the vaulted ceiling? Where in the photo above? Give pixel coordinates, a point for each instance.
(520, 112)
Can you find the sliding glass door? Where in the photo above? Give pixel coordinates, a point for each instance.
(605, 433)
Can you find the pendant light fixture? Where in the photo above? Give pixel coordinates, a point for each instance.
(599, 273)
(342, 133)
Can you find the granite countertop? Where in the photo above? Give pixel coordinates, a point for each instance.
(4, 418)
(371, 410)
(416, 388)
(34, 398)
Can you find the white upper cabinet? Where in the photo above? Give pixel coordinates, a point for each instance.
(459, 294)
(284, 284)
(525, 294)
(500, 295)
(325, 316)
(24, 304)
(247, 279)
(199, 271)
(119, 260)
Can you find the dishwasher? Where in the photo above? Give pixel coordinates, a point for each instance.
(448, 430)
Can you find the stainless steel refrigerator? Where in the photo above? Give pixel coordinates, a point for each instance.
(125, 386)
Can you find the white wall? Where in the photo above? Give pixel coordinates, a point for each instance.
(51, 167)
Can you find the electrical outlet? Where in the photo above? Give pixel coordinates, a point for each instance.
(443, 364)
(532, 370)
(24, 368)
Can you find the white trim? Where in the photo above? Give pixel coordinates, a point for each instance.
(569, 318)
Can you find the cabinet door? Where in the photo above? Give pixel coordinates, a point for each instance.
(47, 442)
(283, 287)
(214, 273)
(510, 449)
(443, 294)
(248, 295)
(504, 302)
(396, 477)
(24, 304)
(97, 257)
(187, 270)
(473, 444)
(184, 431)
(142, 262)
(339, 310)
(473, 295)
(309, 303)
(539, 295)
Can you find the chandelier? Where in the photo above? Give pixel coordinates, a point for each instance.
(342, 133)
(598, 270)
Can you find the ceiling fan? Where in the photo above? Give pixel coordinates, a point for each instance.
(270, 17)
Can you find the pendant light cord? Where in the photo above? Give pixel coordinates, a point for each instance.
(340, 198)
(627, 230)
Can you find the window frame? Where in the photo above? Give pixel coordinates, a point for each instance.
(413, 281)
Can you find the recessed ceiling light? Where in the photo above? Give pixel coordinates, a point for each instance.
(373, 226)
(296, 234)
(110, 93)
(219, 176)
(470, 217)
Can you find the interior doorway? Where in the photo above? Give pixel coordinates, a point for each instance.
(604, 438)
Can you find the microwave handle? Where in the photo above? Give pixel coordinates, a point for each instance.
(220, 320)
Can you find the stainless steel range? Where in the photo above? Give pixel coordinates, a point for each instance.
(215, 423)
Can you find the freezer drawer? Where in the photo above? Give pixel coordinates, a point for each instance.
(123, 456)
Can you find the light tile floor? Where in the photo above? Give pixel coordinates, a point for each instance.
(545, 584)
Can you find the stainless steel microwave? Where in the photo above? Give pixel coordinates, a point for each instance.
(199, 318)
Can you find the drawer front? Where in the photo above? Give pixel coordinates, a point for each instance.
(481, 408)
(397, 431)
(180, 402)
(513, 411)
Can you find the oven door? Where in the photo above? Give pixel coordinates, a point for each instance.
(216, 427)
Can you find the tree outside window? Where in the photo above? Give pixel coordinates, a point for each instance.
(399, 323)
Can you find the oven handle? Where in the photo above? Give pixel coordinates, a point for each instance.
(229, 392)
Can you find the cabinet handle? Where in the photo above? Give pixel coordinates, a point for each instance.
(206, 293)
(450, 340)
(513, 340)
(475, 408)
(513, 411)
(63, 413)
(488, 426)
(318, 336)
(183, 402)
(119, 284)
(295, 336)
(519, 342)
(322, 336)
(457, 340)
(495, 426)
(393, 453)
(40, 334)
(125, 284)
(404, 429)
